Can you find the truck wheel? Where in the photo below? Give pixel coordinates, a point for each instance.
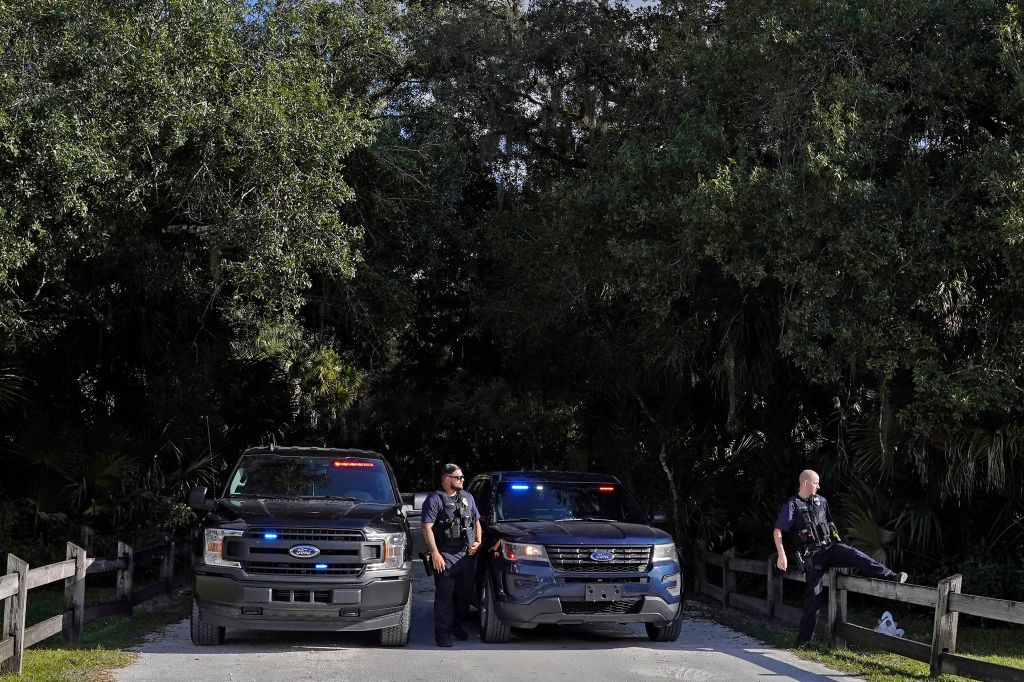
(491, 629)
(398, 635)
(668, 632)
(204, 634)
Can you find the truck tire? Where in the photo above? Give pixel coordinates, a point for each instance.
(669, 632)
(398, 635)
(204, 634)
(491, 629)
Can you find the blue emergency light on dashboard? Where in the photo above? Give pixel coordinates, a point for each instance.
(519, 486)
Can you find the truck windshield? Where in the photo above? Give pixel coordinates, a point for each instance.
(565, 501)
(290, 476)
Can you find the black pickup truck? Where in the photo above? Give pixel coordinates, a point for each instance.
(303, 539)
(562, 547)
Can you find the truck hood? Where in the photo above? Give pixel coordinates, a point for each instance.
(308, 513)
(582, 532)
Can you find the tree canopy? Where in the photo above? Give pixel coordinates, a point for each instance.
(700, 245)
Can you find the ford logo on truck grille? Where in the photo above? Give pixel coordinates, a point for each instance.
(304, 551)
(602, 555)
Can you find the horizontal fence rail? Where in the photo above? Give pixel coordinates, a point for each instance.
(945, 599)
(14, 587)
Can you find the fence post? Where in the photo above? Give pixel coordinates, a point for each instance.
(88, 539)
(700, 572)
(125, 574)
(14, 615)
(774, 594)
(728, 576)
(944, 629)
(167, 566)
(836, 607)
(74, 595)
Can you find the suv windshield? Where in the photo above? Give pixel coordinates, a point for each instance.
(363, 480)
(565, 501)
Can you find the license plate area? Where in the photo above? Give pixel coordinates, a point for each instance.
(602, 592)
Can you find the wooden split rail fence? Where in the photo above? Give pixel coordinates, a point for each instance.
(945, 599)
(14, 587)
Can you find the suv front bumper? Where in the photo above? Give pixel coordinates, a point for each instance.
(371, 604)
(530, 594)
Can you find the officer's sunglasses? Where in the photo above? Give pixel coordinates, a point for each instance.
(457, 478)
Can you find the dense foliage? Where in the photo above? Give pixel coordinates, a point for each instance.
(701, 245)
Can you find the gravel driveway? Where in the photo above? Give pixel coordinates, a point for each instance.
(704, 651)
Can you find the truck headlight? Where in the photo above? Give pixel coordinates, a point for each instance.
(665, 553)
(213, 554)
(393, 554)
(514, 551)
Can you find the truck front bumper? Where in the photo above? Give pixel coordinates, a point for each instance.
(371, 604)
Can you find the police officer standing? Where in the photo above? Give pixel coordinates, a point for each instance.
(451, 529)
(807, 517)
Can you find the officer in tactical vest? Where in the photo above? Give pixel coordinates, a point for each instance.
(807, 518)
(451, 529)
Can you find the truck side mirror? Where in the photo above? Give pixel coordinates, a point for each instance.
(197, 499)
(659, 517)
(418, 499)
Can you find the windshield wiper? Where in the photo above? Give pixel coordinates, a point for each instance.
(586, 518)
(525, 518)
(261, 496)
(342, 498)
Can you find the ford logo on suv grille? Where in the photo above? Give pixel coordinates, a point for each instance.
(304, 551)
(602, 555)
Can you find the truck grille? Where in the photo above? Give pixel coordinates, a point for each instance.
(589, 608)
(301, 596)
(576, 559)
(273, 568)
(308, 534)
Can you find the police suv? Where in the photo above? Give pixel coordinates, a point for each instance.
(563, 548)
(303, 539)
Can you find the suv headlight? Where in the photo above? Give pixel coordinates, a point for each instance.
(665, 553)
(514, 551)
(213, 554)
(393, 555)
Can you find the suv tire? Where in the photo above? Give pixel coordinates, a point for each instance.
(204, 634)
(668, 632)
(491, 629)
(398, 635)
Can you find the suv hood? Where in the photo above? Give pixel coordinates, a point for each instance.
(582, 532)
(310, 513)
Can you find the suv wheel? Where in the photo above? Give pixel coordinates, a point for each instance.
(491, 629)
(398, 635)
(669, 632)
(204, 634)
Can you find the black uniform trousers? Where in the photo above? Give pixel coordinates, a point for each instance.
(453, 592)
(836, 555)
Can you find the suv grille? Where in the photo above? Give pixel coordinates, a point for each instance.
(273, 568)
(576, 559)
(308, 534)
(587, 608)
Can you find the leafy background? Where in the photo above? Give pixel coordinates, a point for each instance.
(700, 245)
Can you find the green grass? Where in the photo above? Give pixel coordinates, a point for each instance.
(103, 640)
(996, 645)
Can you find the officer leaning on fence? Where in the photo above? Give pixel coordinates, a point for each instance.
(451, 529)
(807, 517)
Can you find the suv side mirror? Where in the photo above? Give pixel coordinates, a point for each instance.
(197, 499)
(418, 499)
(659, 517)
